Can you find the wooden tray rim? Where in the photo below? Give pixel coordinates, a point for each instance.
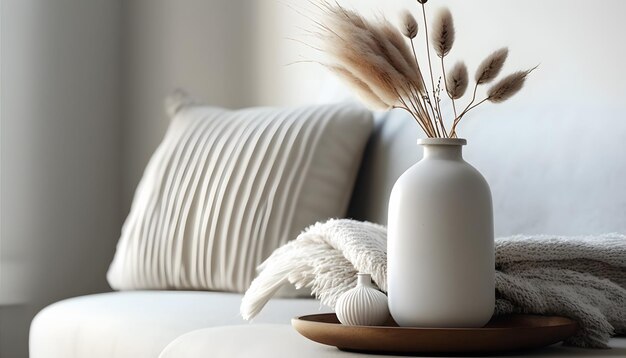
(565, 322)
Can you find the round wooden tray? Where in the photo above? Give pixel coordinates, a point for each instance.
(501, 334)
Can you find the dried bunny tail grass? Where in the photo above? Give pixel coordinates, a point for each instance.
(373, 58)
(491, 66)
(341, 20)
(343, 25)
(338, 12)
(336, 21)
(369, 67)
(457, 80)
(508, 86)
(348, 39)
(400, 55)
(361, 88)
(443, 32)
(350, 15)
(408, 24)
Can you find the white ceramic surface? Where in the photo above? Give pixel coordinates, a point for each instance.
(440, 241)
(363, 305)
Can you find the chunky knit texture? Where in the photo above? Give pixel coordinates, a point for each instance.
(581, 277)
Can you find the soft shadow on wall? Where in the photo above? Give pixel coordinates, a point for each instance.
(59, 144)
(570, 39)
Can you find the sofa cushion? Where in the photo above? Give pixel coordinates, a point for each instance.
(139, 324)
(226, 188)
(282, 341)
(553, 168)
(263, 341)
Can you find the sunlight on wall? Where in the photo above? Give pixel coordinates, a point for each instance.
(577, 44)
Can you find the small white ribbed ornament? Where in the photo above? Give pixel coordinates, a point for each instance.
(363, 305)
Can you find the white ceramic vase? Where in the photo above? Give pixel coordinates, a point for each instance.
(363, 305)
(440, 241)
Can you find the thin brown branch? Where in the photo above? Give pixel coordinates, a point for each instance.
(456, 122)
(430, 66)
(425, 97)
(413, 115)
(445, 82)
(471, 102)
(416, 114)
(418, 96)
(417, 107)
(438, 107)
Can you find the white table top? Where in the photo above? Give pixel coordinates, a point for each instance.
(278, 341)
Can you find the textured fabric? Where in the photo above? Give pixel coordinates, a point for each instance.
(579, 277)
(583, 278)
(323, 258)
(226, 188)
(139, 324)
(282, 341)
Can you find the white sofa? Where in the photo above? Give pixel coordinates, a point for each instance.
(551, 169)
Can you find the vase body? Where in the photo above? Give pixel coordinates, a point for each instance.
(440, 241)
(363, 305)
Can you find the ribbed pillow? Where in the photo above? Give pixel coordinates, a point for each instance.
(226, 188)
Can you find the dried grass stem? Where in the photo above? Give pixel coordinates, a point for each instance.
(376, 61)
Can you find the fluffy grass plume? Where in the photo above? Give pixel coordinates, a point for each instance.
(457, 80)
(373, 58)
(399, 54)
(354, 46)
(379, 62)
(361, 88)
(443, 32)
(408, 25)
(489, 69)
(508, 86)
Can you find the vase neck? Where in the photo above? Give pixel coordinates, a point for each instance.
(447, 152)
(364, 279)
(442, 148)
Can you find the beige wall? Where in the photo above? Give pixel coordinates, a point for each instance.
(578, 44)
(205, 47)
(59, 149)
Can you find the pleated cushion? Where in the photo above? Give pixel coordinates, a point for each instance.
(226, 188)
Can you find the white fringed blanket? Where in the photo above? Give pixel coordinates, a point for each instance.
(583, 278)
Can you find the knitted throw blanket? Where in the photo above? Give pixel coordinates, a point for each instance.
(583, 278)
